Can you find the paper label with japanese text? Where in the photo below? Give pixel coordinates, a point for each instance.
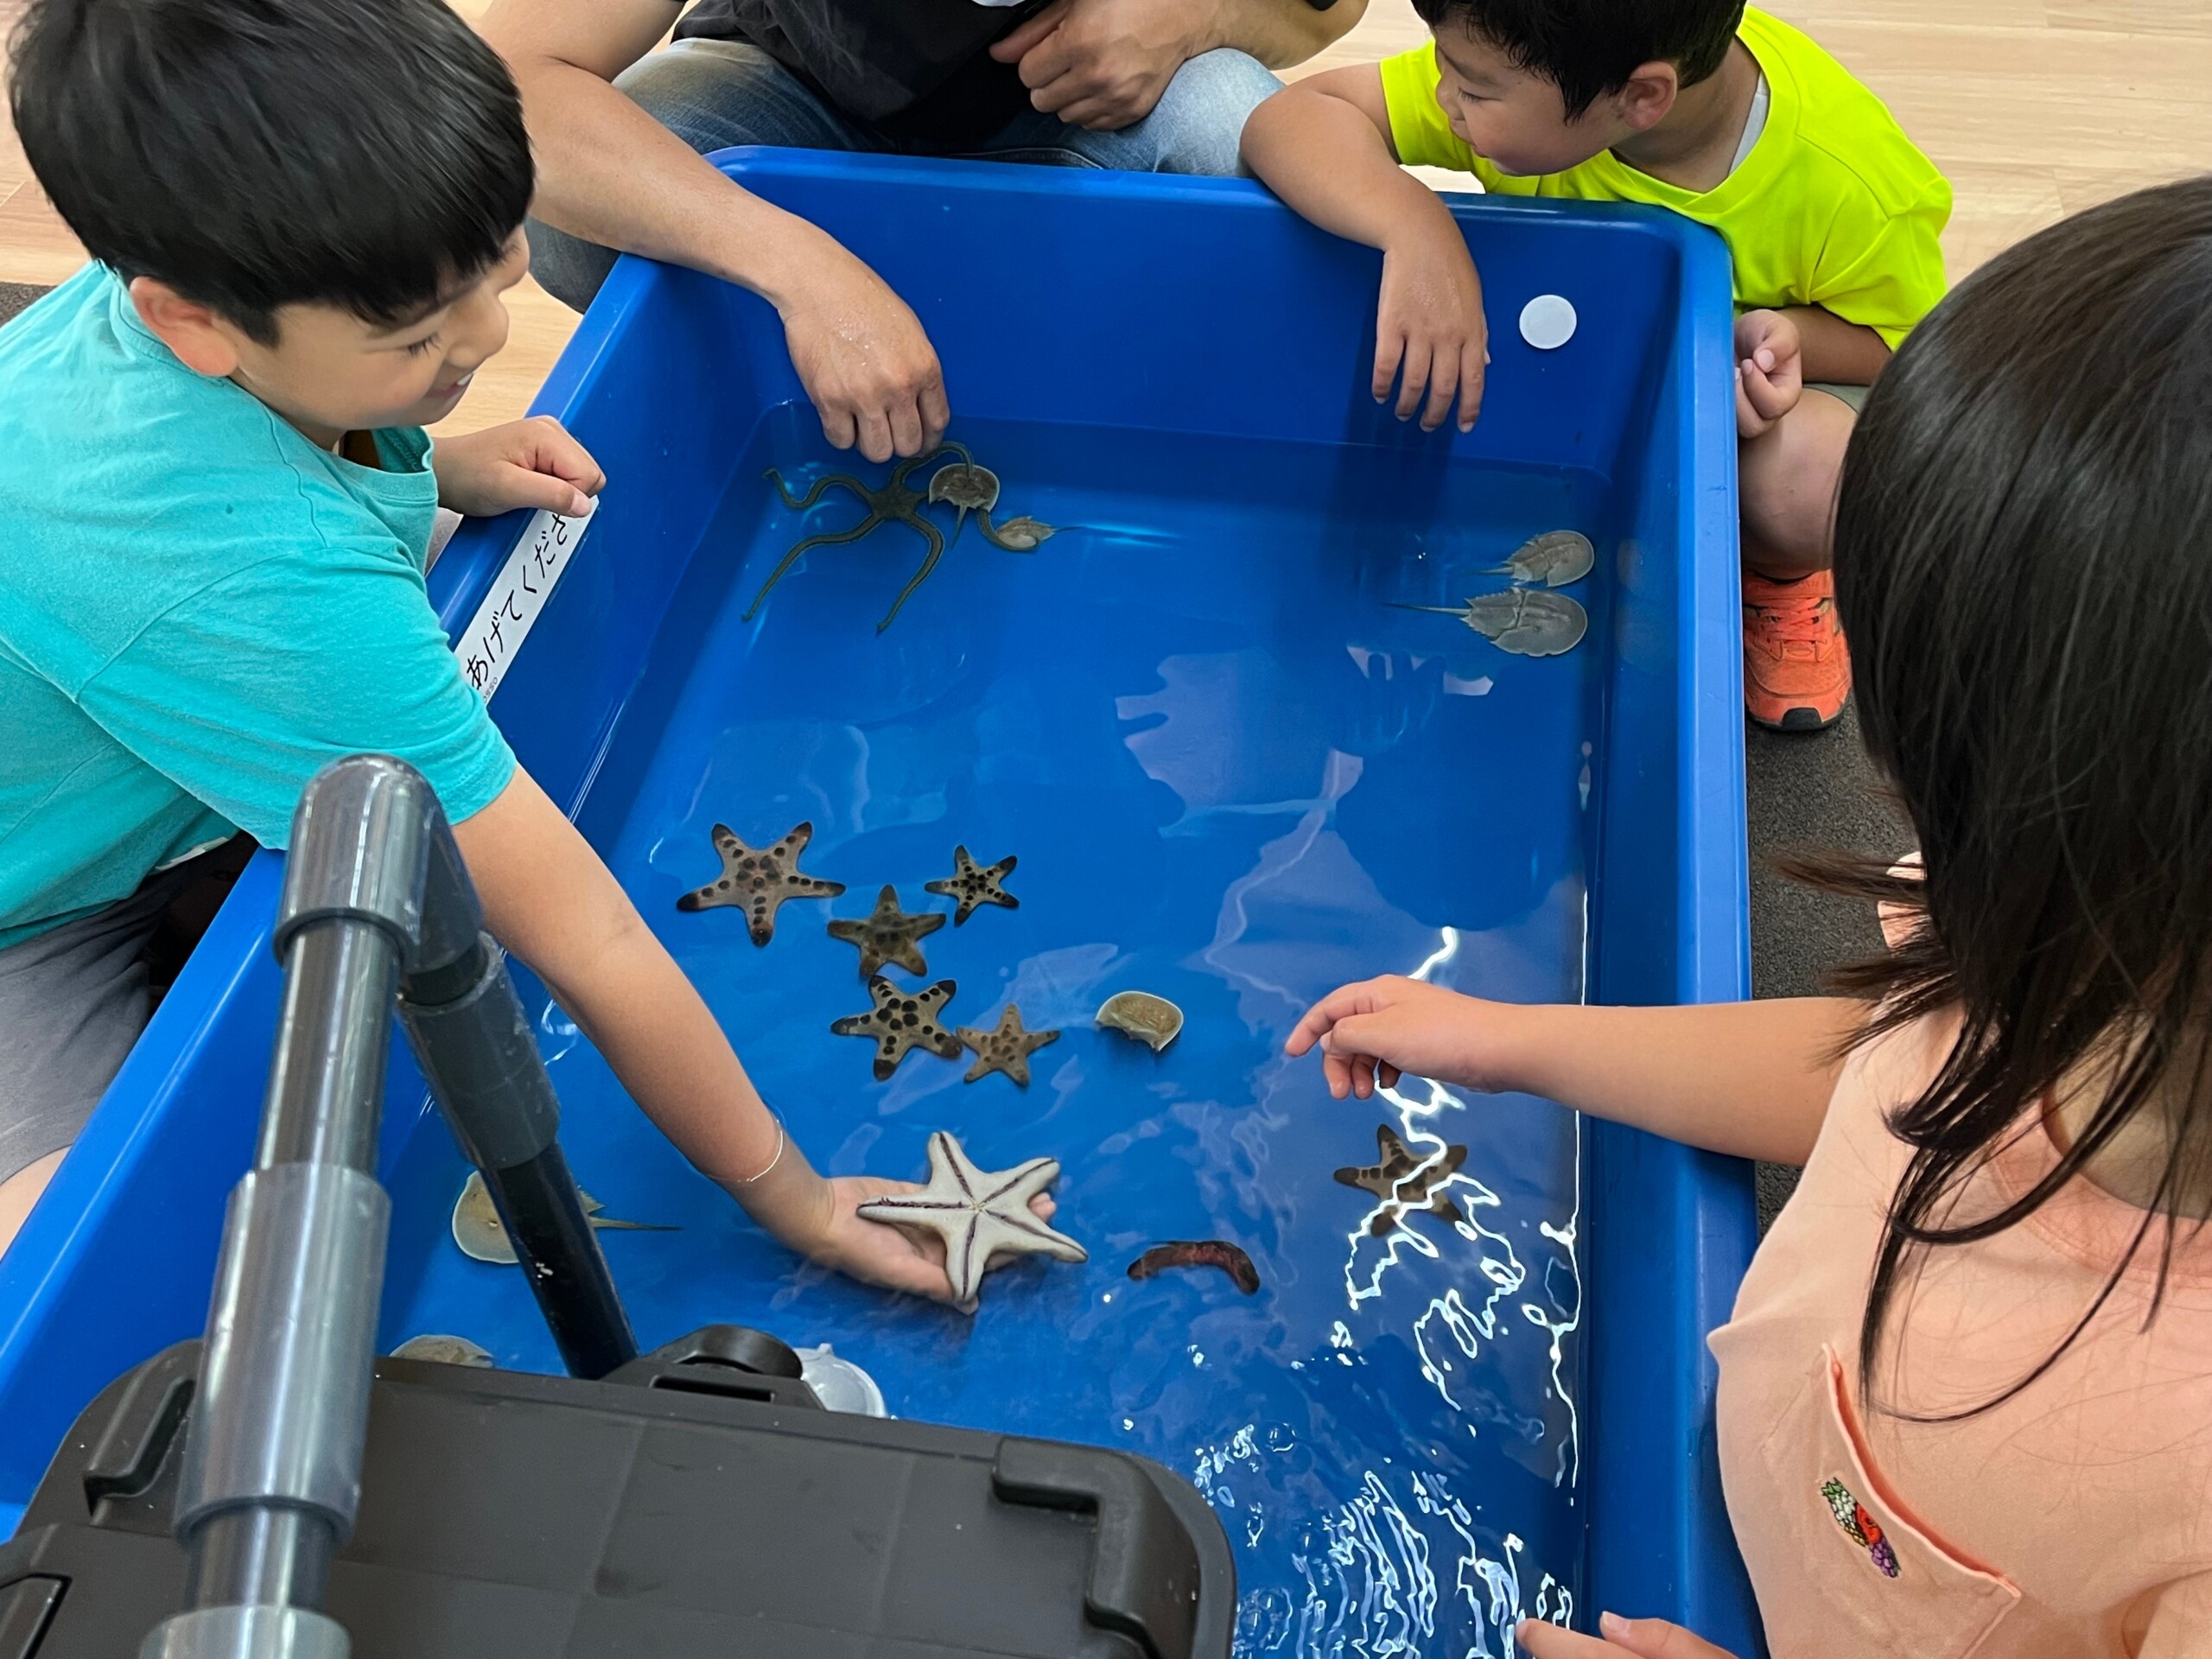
(516, 596)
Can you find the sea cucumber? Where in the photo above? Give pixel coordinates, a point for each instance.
(1202, 1252)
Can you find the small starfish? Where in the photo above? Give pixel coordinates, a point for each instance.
(979, 1213)
(1404, 1183)
(888, 935)
(757, 880)
(902, 1020)
(973, 885)
(1006, 1048)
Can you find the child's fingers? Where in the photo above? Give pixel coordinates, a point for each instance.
(1413, 382)
(1541, 1640)
(1387, 1074)
(520, 486)
(1443, 387)
(1314, 1024)
(1337, 1073)
(1389, 352)
(1771, 401)
(1474, 367)
(1656, 1639)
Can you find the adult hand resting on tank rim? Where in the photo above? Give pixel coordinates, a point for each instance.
(619, 130)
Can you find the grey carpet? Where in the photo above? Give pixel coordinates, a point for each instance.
(13, 296)
(1804, 792)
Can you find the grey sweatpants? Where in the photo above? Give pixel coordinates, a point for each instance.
(72, 1001)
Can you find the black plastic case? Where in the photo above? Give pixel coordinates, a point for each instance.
(681, 1507)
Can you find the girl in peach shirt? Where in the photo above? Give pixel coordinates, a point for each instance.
(1966, 1399)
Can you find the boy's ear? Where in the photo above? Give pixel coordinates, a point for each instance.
(1649, 94)
(203, 342)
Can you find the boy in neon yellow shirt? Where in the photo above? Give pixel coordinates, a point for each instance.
(1723, 114)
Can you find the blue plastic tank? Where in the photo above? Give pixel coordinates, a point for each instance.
(1239, 763)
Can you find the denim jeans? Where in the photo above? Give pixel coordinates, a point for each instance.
(712, 94)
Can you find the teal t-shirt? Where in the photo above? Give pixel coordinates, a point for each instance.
(198, 609)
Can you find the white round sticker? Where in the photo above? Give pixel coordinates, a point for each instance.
(1547, 321)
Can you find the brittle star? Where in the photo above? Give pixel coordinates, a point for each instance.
(897, 502)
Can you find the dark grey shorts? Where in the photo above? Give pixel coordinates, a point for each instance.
(72, 1001)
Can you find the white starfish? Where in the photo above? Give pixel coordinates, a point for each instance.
(981, 1214)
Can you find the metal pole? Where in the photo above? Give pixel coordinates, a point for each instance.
(377, 903)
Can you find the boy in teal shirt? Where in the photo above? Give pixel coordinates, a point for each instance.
(217, 498)
(1723, 114)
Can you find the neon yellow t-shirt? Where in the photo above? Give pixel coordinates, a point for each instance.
(1832, 207)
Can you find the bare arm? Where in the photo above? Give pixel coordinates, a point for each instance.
(1280, 32)
(551, 901)
(1752, 1079)
(1844, 353)
(609, 173)
(1323, 146)
(1104, 64)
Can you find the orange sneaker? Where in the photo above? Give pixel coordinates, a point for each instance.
(1796, 672)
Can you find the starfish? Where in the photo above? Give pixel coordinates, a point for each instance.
(901, 1020)
(973, 885)
(1006, 1049)
(888, 935)
(1404, 1183)
(897, 502)
(979, 1213)
(757, 880)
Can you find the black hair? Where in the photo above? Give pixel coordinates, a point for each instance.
(2023, 570)
(253, 154)
(1590, 48)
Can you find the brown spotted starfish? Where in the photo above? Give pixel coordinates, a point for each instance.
(901, 1021)
(888, 935)
(1006, 1048)
(1404, 1183)
(973, 885)
(758, 880)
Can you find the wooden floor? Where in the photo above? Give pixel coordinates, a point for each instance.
(2034, 108)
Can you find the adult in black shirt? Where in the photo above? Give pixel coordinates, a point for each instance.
(619, 129)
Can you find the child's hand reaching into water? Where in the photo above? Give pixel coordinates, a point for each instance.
(1644, 1639)
(1430, 335)
(1770, 371)
(1369, 1033)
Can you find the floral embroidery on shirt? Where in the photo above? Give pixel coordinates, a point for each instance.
(1861, 1528)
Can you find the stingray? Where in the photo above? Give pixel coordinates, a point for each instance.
(1006, 1048)
(901, 1021)
(1403, 1183)
(888, 934)
(1554, 559)
(757, 880)
(972, 884)
(897, 502)
(981, 1214)
(1527, 621)
(483, 1236)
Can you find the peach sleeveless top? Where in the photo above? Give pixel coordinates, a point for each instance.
(2073, 1520)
